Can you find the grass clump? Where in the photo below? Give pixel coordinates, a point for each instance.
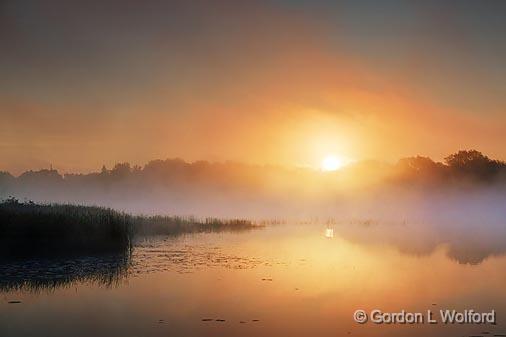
(33, 229)
(29, 228)
(175, 225)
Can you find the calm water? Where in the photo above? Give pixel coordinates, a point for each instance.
(284, 280)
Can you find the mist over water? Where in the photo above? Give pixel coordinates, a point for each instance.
(416, 205)
(402, 239)
(470, 187)
(316, 219)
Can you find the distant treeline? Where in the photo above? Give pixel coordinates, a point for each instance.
(468, 164)
(229, 189)
(471, 166)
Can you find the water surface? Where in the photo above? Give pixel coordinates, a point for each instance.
(283, 280)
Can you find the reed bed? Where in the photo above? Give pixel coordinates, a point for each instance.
(32, 229)
(175, 225)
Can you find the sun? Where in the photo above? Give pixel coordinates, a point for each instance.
(332, 163)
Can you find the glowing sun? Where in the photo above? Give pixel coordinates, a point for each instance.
(332, 163)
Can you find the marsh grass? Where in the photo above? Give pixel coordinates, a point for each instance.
(32, 229)
(175, 225)
(29, 229)
(48, 246)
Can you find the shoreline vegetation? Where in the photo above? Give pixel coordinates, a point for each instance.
(229, 189)
(470, 166)
(47, 246)
(30, 229)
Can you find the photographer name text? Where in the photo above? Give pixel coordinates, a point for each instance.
(445, 316)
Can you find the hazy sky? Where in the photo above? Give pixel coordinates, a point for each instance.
(86, 83)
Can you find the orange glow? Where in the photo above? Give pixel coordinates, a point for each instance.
(281, 95)
(332, 163)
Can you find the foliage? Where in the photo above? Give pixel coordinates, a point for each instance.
(473, 163)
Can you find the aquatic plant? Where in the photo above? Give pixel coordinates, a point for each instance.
(30, 229)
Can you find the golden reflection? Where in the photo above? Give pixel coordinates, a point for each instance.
(299, 282)
(329, 233)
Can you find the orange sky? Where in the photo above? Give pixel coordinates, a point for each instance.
(275, 83)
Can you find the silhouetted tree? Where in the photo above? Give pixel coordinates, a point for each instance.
(474, 164)
(44, 176)
(420, 169)
(121, 170)
(420, 164)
